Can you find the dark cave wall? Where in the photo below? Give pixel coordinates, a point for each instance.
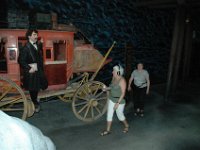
(148, 31)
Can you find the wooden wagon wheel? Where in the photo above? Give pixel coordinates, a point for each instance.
(12, 99)
(90, 101)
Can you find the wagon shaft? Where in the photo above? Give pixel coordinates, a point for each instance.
(102, 62)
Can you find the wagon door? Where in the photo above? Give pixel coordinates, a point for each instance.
(55, 55)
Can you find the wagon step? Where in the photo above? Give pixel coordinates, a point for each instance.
(49, 93)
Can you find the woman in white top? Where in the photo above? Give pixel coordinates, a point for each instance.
(140, 86)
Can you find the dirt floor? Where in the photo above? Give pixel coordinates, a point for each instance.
(171, 125)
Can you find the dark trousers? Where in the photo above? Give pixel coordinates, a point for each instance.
(138, 97)
(34, 95)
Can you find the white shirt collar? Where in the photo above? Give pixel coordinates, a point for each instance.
(35, 45)
(32, 42)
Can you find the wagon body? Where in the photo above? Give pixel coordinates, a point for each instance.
(62, 56)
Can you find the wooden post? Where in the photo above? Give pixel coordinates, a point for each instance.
(179, 50)
(173, 52)
(188, 48)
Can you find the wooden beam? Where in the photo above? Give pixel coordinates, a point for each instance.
(179, 50)
(187, 49)
(173, 52)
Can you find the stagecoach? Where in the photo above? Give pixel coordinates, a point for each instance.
(68, 60)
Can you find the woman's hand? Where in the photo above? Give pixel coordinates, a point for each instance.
(129, 83)
(129, 88)
(116, 106)
(105, 88)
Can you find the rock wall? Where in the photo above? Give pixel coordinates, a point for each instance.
(149, 31)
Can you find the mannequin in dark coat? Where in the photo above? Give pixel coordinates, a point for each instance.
(31, 54)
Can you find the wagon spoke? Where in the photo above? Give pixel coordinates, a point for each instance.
(7, 101)
(82, 108)
(10, 99)
(82, 98)
(99, 94)
(100, 104)
(12, 109)
(88, 108)
(6, 92)
(16, 99)
(78, 104)
(92, 111)
(97, 109)
(102, 98)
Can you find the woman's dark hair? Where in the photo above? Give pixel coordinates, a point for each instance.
(140, 63)
(29, 32)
